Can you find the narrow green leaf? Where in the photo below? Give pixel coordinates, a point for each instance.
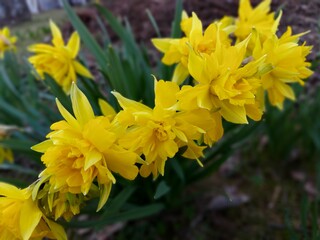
(176, 30)
(154, 23)
(117, 202)
(132, 214)
(161, 190)
(16, 168)
(58, 92)
(178, 169)
(85, 35)
(15, 182)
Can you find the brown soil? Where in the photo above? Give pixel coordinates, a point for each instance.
(301, 15)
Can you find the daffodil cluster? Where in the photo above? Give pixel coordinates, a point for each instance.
(231, 65)
(234, 61)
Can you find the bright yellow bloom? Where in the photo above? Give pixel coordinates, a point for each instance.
(288, 65)
(224, 84)
(83, 149)
(7, 42)
(258, 18)
(59, 60)
(177, 50)
(20, 217)
(158, 133)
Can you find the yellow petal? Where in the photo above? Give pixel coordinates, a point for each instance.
(106, 109)
(105, 190)
(67, 116)
(57, 39)
(74, 44)
(92, 158)
(43, 146)
(232, 113)
(123, 163)
(195, 66)
(126, 103)
(196, 30)
(180, 74)
(41, 48)
(29, 218)
(80, 69)
(162, 44)
(285, 89)
(8, 190)
(165, 93)
(57, 230)
(80, 105)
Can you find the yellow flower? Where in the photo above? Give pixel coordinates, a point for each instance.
(83, 149)
(20, 217)
(5, 153)
(59, 60)
(258, 18)
(158, 133)
(7, 42)
(288, 65)
(224, 84)
(177, 50)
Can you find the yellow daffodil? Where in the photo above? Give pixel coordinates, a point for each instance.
(158, 133)
(6, 153)
(7, 41)
(288, 65)
(177, 50)
(84, 149)
(224, 84)
(59, 60)
(20, 217)
(258, 18)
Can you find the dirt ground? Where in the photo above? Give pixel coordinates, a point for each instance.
(301, 15)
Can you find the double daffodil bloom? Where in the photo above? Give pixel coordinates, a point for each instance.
(288, 65)
(59, 60)
(177, 50)
(158, 133)
(84, 149)
(224, 84)
(7, 41)
(21, 218)
(258, 18)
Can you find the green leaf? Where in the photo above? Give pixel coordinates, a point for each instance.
(161, 190)
(58, 92)
(178, 169)
(176, 30)
(116, 203)
(17, 168)
(15, 182)
(153, 22)
(85, 35)
(132, 214)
